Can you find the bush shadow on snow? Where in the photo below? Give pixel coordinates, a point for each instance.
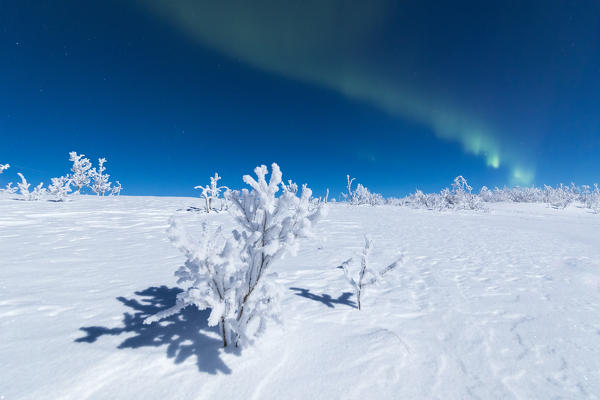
(326, 299)
(181, 333)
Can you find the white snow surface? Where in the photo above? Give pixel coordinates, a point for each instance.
(502, 304)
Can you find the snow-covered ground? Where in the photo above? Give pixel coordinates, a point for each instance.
(503, 304)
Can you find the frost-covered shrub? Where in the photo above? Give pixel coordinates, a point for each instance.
(80, 171)
(231, 276)
(559, 197)
(60, 188)
(10, 189)
(361, 195)
(116, 189)
(365, 276)
(350, 194)
(591, 198)
(24, 186)
(211, 276)
(211, 194)
(486, 194)
(100, 184)
(459, 197)
(419, 199)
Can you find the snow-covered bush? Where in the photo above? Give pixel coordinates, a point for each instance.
(231, 276)
(23, 186)
(361, 195)
(486, 195)
(211, 194)
(100, 184)
(461, 196)
(116, 189)
(591, 198)
(38, 192)
(34, 195)
(211, 276)
(365, 275)
(60, 188)
(432, 201)
(80, 176)
(350, 195)
(10, 189)
(560, 197)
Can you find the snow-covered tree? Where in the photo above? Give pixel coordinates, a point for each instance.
(38, 192)
(461, 195)
(10, 189)
(365, 276)
(80, 176)
(361, 195)
(270, 227)
(4, 167)
(206, 196)
(100, 183)
(211, 193)
(116, 189)
(24, 187)
(34, 195)
(350, 194)
(591, 197)
(211, 276)
(60, 188)
(232, 276)
(486, 194)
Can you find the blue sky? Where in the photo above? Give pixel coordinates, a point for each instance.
(400, 95)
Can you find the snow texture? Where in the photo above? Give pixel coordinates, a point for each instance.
(497, 305)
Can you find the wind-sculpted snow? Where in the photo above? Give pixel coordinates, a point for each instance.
(497, 305)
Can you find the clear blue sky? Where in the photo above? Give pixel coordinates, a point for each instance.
(398, 94)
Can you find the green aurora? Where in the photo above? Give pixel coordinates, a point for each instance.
(328, 43)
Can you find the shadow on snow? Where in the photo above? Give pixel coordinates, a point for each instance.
(326, 299)
(181, 333)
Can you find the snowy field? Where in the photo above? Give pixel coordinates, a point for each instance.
(494, 305)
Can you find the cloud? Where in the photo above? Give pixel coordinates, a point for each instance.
(330, 43)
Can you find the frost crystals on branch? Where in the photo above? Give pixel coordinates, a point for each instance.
(3, 167)
(366, 276)
(232, 276)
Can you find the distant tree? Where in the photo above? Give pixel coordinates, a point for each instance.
(100, 184)
(34, 195)
(116, 189)
(60, 188)
(211, 193)
(80, 176)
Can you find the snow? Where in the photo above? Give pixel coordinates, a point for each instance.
(499, 304)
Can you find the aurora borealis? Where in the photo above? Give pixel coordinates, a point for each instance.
(330, 43)
(511, 85)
